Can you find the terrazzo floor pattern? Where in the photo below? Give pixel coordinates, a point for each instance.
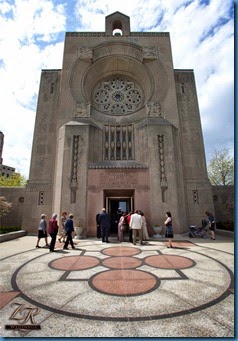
(116, 290)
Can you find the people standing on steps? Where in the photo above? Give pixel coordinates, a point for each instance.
(42, 231)
(53, 231)
(69, 228)
(169, 228)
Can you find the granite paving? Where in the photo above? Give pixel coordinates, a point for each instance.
(118, 289)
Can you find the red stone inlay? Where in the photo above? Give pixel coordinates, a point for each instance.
(6, 297)
(122, 262)
(120, 251)
(124, 282)
(75, 263)
(169, 262)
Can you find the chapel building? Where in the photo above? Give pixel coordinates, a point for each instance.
(118, 126)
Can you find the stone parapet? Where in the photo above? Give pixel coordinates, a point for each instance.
(12, 235)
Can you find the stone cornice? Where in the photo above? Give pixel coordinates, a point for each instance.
(103, 34)
(117, 165)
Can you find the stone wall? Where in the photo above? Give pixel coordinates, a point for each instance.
(223, 196)
(16, 196)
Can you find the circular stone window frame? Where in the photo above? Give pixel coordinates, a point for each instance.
(104, 94)
(84, 75)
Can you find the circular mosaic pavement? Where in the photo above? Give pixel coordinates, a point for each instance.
(125, 282)
(151, 284)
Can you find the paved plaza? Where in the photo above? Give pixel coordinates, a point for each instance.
(118, 289)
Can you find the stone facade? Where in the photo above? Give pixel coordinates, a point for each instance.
(224, 203)
(118, 126)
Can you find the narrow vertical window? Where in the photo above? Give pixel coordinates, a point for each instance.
(52, 88)
(195, 197)
(182, 88)
(41, 198)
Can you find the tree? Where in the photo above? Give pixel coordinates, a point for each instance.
(221, 168)
(5, 206)
(15, 180)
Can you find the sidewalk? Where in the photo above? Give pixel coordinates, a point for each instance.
(118, 289)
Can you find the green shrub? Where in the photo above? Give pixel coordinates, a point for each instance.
(7, 229)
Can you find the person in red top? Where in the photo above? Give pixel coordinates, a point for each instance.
(53, 230)
(130, 230)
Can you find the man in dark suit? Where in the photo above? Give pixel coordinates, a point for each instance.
(98, 226)
(104, 221)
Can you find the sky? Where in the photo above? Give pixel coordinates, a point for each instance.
(32, 38)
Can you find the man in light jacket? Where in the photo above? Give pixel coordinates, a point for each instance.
(136, 225)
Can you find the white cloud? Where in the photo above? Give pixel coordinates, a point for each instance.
(22, 58)
(31, 39)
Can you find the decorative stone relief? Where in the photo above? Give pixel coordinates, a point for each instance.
(116, 49)
(163, 178)
(118, 179)
(85, 53)
(82, 110)
(150, 53)
(154, 109)
(117, 96)
(74, 171)
(118, 142)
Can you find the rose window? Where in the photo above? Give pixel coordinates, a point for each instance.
(117, 96)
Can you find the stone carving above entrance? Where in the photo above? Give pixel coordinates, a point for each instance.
(117, 96)
(118, 179)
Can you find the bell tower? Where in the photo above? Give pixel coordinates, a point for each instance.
(117, 24)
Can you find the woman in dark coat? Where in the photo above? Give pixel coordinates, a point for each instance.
(69, 228)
